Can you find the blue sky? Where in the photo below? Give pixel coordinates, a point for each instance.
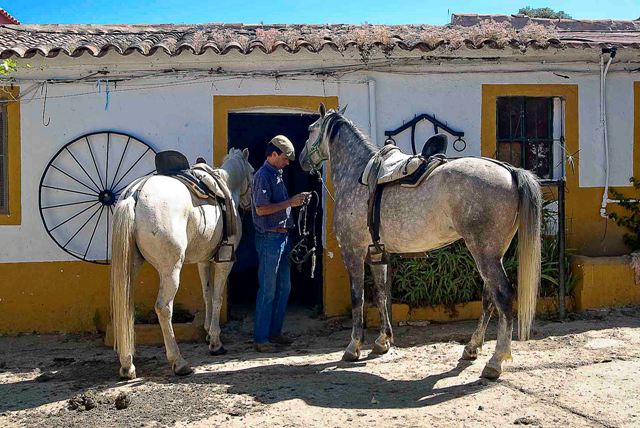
(294, 11)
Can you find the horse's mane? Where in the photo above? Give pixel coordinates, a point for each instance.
(334, 123)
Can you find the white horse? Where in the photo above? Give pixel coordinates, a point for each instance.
(159, 220)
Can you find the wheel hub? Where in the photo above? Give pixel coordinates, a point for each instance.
(106, 197)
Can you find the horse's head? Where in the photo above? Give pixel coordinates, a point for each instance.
(316, 148)
(243, 175)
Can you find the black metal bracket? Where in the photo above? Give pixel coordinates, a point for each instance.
(459, 144)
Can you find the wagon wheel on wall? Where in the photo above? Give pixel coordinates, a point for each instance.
(82, 183)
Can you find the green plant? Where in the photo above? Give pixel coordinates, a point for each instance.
(543, 12)
(8, 66)
(630, 221)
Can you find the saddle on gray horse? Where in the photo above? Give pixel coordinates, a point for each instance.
(391, 166)
(205, 183)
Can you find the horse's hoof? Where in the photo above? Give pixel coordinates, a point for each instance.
(490, 373)
(129, 373)
(381, 349)
(351, 356)
(220, 351)
(183, 370)
(469, 355)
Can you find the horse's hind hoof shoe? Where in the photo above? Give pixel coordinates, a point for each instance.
(220, 351)
(350, 356)
(490, 373)
(380, 349)
(182, 371)
(129, 373)
(468, 355)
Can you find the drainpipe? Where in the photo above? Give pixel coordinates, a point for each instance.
(373, 123)
(603, 123)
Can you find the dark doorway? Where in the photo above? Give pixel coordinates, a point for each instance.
(254, 131)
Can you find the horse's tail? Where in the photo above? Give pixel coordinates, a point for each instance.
(122, 256)
(529, 218)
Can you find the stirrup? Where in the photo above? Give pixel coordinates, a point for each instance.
(225, 253)
(376, 255)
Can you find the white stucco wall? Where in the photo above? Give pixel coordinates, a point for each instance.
(180, 117)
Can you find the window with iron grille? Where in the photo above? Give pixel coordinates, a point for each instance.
(4, 185)
(525, 133)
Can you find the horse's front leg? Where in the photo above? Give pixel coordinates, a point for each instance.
(220, 274)
(383, 296)
(354, 263)
(169, 283)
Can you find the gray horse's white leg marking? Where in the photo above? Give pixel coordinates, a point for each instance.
(205, 280)
(355, 267)
(385, 339)
(169, 283)
(477, 339)
(220, 274)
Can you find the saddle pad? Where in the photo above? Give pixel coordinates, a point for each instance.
(394, 165)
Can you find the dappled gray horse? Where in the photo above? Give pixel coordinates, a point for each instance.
(474, 199)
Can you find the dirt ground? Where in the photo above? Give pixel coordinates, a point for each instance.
(582, 372)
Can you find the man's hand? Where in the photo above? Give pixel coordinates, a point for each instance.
(299, 199)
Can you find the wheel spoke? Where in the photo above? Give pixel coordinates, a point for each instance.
(69, 190)
(106, 251)
(67, 205)
(120, 163)
(94, 232)
(74, 216)
(131, 167)
(82, 227)
(73, 178)
(94, 161)
(84, 170)
(106, 173)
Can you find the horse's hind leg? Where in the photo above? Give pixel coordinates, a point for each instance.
(502, 292)
(205, 280)
(385, 339)
(169, 282)
(477, 339)
(127, 368)
(354, 263)
(220, 274)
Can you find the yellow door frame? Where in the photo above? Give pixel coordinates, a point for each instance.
(335, 290)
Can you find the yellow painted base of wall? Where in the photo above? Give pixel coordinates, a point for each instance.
(604, 282)
(151, 334)
(74, 296)
(465, 311)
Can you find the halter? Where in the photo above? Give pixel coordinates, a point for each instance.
(314, 156)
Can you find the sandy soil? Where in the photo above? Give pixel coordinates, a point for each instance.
(582, 372)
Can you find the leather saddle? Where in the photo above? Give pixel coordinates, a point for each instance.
(205, 183)
(390, 166)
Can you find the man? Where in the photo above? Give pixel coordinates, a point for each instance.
(272, 219)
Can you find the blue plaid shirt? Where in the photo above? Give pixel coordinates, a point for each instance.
(268, 188)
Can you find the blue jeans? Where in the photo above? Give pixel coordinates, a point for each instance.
(275, 284)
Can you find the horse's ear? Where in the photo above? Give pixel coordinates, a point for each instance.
(322, 110)
(343, 109)
(245, 153)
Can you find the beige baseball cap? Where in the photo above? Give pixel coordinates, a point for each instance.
(283, 143)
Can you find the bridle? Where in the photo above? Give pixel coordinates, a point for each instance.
(306, 247)
(314, 155)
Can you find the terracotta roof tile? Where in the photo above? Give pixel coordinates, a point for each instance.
(471, 31)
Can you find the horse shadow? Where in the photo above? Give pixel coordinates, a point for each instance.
(334, 385)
